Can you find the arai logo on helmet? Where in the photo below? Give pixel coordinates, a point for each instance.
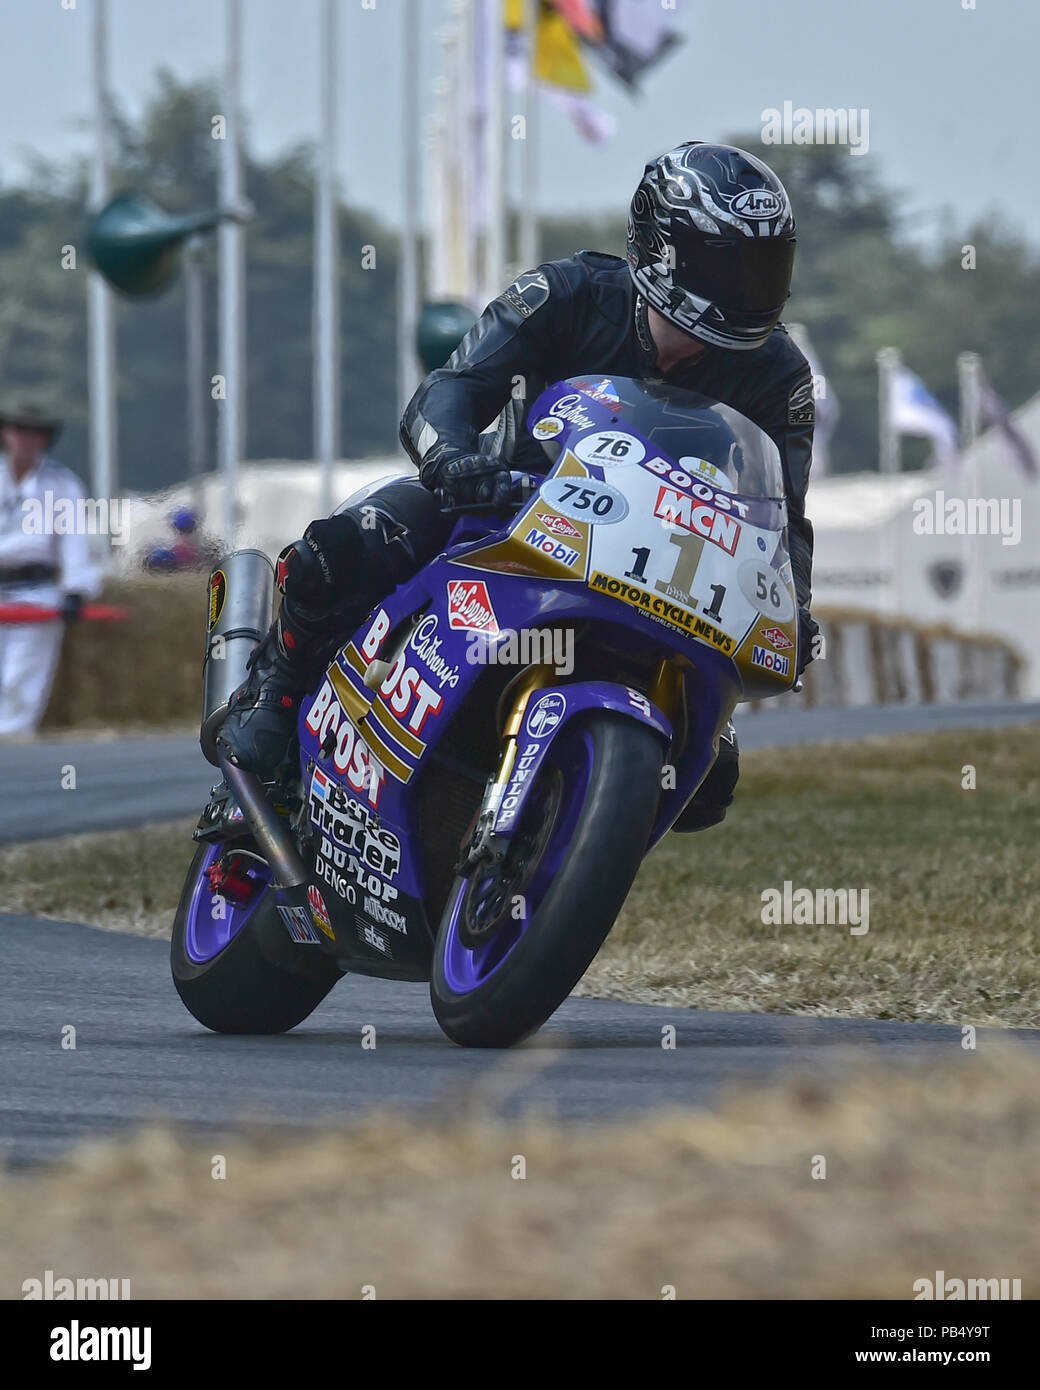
(757, 203)
(545, 715)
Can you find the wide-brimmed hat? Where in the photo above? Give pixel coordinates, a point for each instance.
(30, 417)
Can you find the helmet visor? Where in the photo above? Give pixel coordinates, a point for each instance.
(742, 275)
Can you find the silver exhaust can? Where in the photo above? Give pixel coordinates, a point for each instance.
(239, 612)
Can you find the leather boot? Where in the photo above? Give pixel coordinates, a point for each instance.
(261, 722)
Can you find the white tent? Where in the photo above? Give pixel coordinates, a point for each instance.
(954, 546)
(277, 499)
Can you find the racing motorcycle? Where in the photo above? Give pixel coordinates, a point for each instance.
(464, 806)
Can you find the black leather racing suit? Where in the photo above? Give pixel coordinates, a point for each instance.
(580, 316)
(583, 317)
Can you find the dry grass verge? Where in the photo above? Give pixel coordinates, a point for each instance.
(925, 1171)
(953, 879)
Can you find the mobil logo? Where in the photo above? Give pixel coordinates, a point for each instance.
(770, 661)
(549, 545)
(470, 608)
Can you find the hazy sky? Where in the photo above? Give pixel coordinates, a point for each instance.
(950, 91)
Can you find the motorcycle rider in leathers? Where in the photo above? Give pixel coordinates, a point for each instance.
(711, 239)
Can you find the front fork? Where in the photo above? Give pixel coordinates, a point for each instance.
(484, 846)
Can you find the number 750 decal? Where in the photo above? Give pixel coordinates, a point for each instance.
(585, 499)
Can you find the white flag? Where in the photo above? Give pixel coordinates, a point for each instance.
(914, 410)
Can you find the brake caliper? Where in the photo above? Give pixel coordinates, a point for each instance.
(229, 878)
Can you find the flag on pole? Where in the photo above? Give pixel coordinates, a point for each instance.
(914, 410)
(637, 34)
(559, 65)
(993, 413)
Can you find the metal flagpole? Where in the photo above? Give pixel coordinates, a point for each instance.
(195, 325)
(100, 315)
(232, 277)
(888, 437)
(439, 273)
(326, 265)
(968, 368)
(408, 282)
(888, 466)
(529, 251)
(969, 372)
(494, 151)
(465, 132)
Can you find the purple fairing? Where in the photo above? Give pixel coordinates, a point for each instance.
(374, 758)
(205, 935)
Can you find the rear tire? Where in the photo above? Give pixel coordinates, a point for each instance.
(261, 982)
(576, 912)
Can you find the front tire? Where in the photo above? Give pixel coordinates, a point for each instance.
(496, 980)
(257, 981)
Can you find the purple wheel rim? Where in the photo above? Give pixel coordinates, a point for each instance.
(206, 935)
(466, 970)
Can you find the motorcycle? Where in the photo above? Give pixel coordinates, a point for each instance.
(494, 751)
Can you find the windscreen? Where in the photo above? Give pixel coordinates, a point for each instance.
(687, 427)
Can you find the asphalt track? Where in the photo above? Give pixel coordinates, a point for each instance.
(133, 780)
(140, 1056)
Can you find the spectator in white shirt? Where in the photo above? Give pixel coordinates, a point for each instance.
(41, 565)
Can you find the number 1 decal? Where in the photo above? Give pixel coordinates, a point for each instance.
(638, 570)
(718, 593)
(686, 563)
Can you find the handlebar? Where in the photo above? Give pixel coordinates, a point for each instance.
(523, 486)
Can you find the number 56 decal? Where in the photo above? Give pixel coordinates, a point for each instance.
(762, 588)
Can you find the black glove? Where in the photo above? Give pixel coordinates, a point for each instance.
(808, 631)
(473, 481)
(71, 608)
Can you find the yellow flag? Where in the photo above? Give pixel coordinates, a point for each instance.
(557, 53)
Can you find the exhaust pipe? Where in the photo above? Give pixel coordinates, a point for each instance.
(241, 604)
(269, 830)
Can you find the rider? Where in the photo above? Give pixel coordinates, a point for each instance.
(710, 253)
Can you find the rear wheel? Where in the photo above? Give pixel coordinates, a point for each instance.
(515, 940)
(233, 963)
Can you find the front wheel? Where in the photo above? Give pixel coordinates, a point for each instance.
(515, 940)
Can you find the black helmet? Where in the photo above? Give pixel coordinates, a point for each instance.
(711, 243)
